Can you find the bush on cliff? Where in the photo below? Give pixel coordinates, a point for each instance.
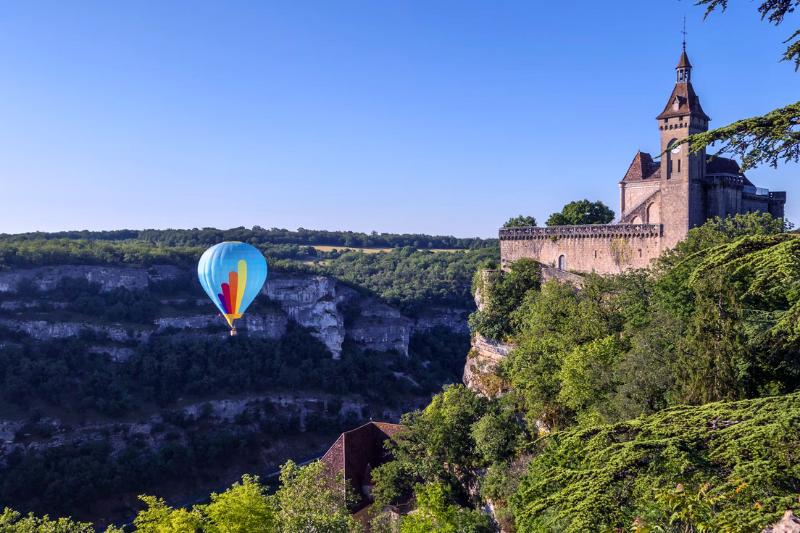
(501, 292)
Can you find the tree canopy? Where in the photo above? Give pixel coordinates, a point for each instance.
(581, 212)
(520, 221)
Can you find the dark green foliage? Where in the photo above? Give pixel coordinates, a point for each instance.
(436, 357)
(16, 251)
(437, 446)
(64, 373)
(71, 478)
(721, 467)
(519, 222)
(497, 434)
(501, 293)
(581, 212)
(714, 320)
(437, 512)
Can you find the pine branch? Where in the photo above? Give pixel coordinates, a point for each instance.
(772, 10)
(769, 138)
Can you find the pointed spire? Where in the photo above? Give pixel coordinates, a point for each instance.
(683, 62)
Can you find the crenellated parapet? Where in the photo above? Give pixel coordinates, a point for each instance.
(583, 231)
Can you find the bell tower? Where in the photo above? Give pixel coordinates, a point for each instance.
(682, 172)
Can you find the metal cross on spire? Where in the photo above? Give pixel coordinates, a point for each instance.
(683, 31)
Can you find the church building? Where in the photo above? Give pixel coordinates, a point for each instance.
(659, 200)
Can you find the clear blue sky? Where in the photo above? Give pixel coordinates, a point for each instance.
(440, 117)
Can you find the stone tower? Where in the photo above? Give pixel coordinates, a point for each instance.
(682, 172)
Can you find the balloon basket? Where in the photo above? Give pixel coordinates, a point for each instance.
(233, 332)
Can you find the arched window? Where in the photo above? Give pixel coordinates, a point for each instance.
(562, 262)
(670, 146)
(652, 214)
(636, 220)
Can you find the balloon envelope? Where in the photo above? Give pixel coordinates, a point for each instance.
(232, 274)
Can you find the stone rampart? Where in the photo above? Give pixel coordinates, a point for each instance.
(600, 248)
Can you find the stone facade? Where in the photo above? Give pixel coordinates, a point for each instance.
(659, 201)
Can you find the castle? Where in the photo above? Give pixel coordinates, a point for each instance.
(659, 200)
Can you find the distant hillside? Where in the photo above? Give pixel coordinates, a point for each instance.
(259, 235)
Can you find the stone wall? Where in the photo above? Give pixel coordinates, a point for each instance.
(605, 249)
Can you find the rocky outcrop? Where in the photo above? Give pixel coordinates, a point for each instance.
(46, 330)
(453, 319)
(311, 302)
(381, 328)
(107, 277)
(788, 524)
(561, 276)
(118, 354)
(269, 325)
(480, 370)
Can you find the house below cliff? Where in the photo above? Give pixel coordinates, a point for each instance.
(355, 453)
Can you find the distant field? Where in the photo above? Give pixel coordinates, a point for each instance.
(377, 250)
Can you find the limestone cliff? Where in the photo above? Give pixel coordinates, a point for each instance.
(480, 369)
(318, 303)
(485, 355)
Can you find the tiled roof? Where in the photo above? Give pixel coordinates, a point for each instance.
(721, 165)
(688, 103)
(359, 450)
(642, 167)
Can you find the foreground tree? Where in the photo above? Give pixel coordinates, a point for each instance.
(437, 513)
(14, 522)
(306, 501)
(581, 212)
(766, 139)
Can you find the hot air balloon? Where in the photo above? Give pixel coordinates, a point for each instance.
(232, 274)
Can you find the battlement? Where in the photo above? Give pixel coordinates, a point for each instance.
(584, 231)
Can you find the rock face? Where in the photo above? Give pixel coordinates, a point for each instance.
(269, 325)
(453, 319)
(381, 328)
(46, 330)
(107, 277)
(480, 370)
(318, 303)
(788, 524)
(311, 302)
(485, 355)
